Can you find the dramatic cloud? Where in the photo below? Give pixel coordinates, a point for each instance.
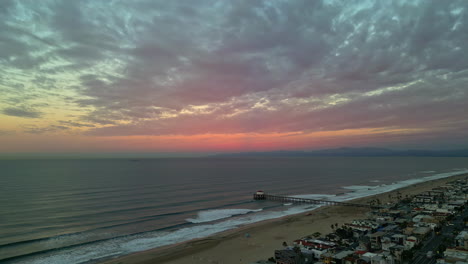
(160, 68)
(42, 130)
(21, 112)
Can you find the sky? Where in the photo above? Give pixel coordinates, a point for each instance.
(222, 76)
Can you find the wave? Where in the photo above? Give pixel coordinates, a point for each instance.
(87, 252)
(56, 244)
(83, 234)
(213, 215)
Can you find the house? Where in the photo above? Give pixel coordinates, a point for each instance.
(398, 239)
(375, 240)
(363, 244)
(432, 226)
(379, 258)
(461, 240)
(388, 228)
(397, 251)
(423, 218)
(422, 231)
(435, 193)
(314, 243)
(315, 246)
(453, 255)
(339, 257)
(327, 258)
(423, 199)
(287, 256)
(410, 242)
(363, 225)
(395, 213)
(386, 243)
(336, 258)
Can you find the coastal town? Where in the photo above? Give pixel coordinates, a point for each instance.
(430, 227)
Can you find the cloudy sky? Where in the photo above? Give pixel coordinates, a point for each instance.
(203, 75)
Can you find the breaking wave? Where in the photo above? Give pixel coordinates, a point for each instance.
(213, 215)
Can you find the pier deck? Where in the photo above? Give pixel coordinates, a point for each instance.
(288, 199)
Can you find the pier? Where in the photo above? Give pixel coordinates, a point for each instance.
(260, 195)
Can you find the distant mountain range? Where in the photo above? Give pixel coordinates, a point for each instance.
(353, 152)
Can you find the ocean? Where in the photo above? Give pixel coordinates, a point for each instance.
(85, 210)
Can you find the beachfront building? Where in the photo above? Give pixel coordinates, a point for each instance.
(287, 256)
(317, 247)
(386, 216)
(362, 227)
(314, 243)
(423, 199)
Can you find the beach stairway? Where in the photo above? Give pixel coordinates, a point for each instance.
(260, 195)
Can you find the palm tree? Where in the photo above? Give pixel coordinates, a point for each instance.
(399, 195)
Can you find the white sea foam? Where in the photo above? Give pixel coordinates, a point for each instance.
(359, 191)
(212, 215)
(151, 240)
(315, 196)
(147, 241)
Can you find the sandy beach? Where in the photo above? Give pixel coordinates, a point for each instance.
(234, 247)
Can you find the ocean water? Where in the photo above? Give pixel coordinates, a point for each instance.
(84, 210)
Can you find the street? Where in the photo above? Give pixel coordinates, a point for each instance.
(436, 240)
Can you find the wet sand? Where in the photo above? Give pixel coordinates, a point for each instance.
(233, 246)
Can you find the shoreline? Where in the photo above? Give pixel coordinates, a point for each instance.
(231, 246)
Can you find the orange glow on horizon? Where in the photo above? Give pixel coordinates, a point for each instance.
(199, 143)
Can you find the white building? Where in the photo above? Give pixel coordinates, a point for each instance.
(410, 242)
